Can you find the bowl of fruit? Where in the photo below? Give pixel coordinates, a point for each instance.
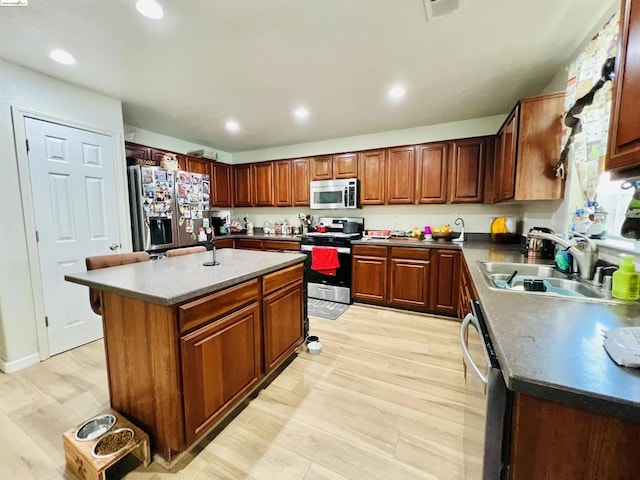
(444, 234)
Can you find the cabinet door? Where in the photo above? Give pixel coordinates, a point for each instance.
(369, 279)
(624, 132)
(282, 320)
(345, 165)
(282, 180)
(371, 166)
(401, 176)
(445, 282)
(248, 243)
(224, 242)
(409, 278)
(432, 172)
(321, 168)
(263, 184)
(301, 191)
(134, 150)
(220, 363)
(243, 195)
(198, 165)
(505, 169)
(221, 185)
(466, 181)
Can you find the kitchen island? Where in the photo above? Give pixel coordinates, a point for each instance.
(185, 343)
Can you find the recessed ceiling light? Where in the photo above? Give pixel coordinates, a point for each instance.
(62, 56)
(301, 113)
(397, 92)
(232, 126)
(150, 9)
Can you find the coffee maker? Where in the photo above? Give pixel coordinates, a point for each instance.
(219, 226)
(538, 247)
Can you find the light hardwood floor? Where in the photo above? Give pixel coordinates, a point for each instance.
(384, 400)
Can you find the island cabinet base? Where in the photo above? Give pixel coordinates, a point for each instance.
(550, 440)
(177, 371)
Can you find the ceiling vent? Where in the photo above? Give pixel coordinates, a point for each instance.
(440, 8)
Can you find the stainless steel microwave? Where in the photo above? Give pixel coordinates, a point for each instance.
(334, 194)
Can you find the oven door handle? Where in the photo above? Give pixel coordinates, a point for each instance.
(470, 320)
(308, 248)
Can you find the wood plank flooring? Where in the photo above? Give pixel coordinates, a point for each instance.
(384, 400)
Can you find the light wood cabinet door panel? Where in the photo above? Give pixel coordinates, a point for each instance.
(321, 167)
(369, 279)
(282, 328)
(372, 175)
(220, 363)
(263, 184)
(301, 190)
(401, 180)
(221, 185)
(432, 173)
(409, 283)
(345, 165)
(283, 181)
(243, 191)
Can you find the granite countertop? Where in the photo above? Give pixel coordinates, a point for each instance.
(169, 281)
(552, 347)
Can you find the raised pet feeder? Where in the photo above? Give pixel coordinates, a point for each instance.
(95, 427)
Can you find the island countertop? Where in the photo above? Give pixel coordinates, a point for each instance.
(170, 281)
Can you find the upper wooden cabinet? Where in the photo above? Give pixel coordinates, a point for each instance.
(330, 167)
(300, 184)
(137, 151)
(432, 173)
(400, 175)
(158, 156)
(242, 181)
(624, 131)
(263, 184)
(467, 170)
(529, 145)
(197, 165)
(283, 183)
(371, 172)
(221, 185)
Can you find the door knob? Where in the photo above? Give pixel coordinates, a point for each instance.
(114, 246)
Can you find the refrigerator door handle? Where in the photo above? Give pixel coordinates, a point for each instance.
(470, 320)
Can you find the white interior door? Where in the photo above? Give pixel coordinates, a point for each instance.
(73, 187)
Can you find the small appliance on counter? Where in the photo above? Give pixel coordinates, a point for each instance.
(539, 248)
(503, 230)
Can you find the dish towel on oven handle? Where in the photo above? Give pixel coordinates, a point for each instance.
(324, 260)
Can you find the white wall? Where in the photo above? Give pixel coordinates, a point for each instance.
(20, 87)
(160, 141)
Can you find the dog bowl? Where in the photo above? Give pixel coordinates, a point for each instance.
(112, 442)
(95, 427)
(311, 338)
(314, 348)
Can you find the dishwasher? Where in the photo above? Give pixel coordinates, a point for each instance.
(485, 445)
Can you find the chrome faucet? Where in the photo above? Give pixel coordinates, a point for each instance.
(585, 254)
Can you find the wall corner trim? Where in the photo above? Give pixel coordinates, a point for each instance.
(15, 365)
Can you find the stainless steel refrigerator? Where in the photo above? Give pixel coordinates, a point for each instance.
(168, 209)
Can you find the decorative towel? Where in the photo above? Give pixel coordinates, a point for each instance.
(325, 260)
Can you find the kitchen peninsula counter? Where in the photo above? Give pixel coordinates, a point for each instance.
(187, 344)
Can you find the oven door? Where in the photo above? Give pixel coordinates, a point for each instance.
(329, 287)
(485, 402)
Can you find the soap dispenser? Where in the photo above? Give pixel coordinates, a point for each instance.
(626, 281)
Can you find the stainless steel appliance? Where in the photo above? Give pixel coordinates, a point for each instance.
(168, 209)
(538, 247)
(336, 288)
(486, 400)
(335, 194)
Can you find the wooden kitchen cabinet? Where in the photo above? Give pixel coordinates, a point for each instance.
(249, 243)
(345, 165)
(300, 182)
(158, 156)
(210, 384)
(280, 245)
(409, 278)
(467, 170)
(321, 167)
(369, 274)
(263, 184)
(243, 185)
(198, 165)
(221, 185)
(371, 172)
(133, 150)
(281, 313)
(283, 183)
(432, 174)
(467, 292)
(529, 144)
(445, 281)
(624, 131)
(400, 175)
(224, 242)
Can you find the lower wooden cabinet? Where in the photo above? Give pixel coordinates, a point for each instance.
(409, 274)
(220, 363)
(249, 243)
(369, 274)
(446, 281)
(224, 242)
(282, 330)
(467, 291)
(267, 244)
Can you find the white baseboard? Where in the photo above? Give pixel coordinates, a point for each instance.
(15, 365)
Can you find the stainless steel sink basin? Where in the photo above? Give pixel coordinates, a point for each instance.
(541, 280)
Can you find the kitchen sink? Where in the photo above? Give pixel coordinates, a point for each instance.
(541, 280)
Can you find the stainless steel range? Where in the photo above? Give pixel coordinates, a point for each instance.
(333, 283)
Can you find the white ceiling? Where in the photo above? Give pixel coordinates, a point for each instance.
(255, 60)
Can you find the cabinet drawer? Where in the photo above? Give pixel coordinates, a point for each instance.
(280, 245)
(211, 307)
(411, 253)
(224, 242)
(281, 278)
(249, 243)
(370, 250)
